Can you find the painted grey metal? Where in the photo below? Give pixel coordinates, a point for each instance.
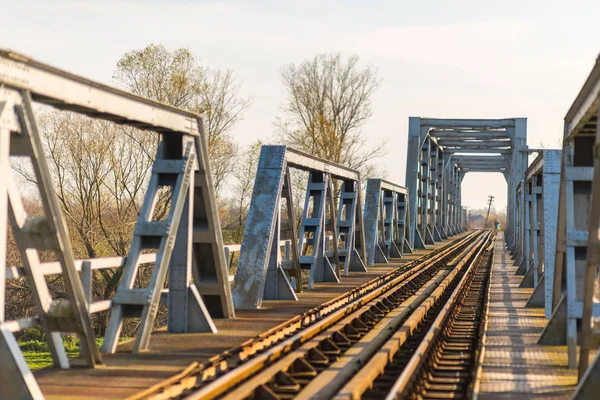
(133, 300)
(32, 235)
(386, 218)
(23, 80)
(260, 272)
(441, 152)
(583, 117)
(572, 219)
(574, 258)
(550, 195)
(64, 90)
(16, 379)
(277, 284)
(300, 160)
(520, 229)
(290, 233)
(590, 279)
(186, 309)
(359, 254)
(346, 223)
(311, 240)
(209, 268)
(413, 180)
(250, 277)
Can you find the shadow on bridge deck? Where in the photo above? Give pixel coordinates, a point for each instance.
(514, 366)
(125, 374)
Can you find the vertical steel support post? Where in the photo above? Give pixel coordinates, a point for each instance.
(441, 197)
(385, 221)
(346, 225)
(371, 218)
(550, 198)
(461, 212)
(572, 239)
(425, 187)
(210, 270)
(262, 221)
(435, 193)
(534, 229)
(517, 167)
(186, 309)
(413, 181)
(402, 215)
(359, 253)
(590, 297)
(528, 279)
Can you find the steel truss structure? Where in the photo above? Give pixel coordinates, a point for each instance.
(575, 253)
(261, 274)
(578, 250)
(385, 215)
(440, 153)
(189, 242)
(538, 196)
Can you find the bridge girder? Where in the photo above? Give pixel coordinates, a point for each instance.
(463, 145)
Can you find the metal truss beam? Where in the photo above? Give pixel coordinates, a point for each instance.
(459, 150)
(261, 274)
(195, 243)
(466, 143)
(468, 123)
(577, 238)
(386, 214)
(581, 120)
(542, 179)
(60, 89)
(479, 134)
(480, 145)
(297, 159)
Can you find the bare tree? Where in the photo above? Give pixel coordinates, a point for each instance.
(244, 175)
(100, 172)
(177, 78)
(328, 101)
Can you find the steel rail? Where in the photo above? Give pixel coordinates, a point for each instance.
(300, 328)
(401, 387)
(384, 310)
(352, 371)
(253, 366)
(475, 386)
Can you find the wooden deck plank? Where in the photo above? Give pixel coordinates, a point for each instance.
(125, 374)
(514, 365)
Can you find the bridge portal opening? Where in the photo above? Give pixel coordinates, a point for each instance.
(475, 191)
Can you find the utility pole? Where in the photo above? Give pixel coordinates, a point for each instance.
(490, 201)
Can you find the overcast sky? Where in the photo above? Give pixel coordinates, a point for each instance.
(443, 59)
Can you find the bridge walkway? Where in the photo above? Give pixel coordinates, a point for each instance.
(514, 366)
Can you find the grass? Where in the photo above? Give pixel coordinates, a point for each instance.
(38, 360)
(37, 353)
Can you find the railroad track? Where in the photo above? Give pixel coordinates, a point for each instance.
(341, 348)
(444, 365)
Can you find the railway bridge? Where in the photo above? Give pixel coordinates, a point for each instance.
(379, 291)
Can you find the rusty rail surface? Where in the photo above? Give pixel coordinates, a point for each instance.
(306, 345)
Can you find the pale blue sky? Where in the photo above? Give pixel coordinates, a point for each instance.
(461, 59)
